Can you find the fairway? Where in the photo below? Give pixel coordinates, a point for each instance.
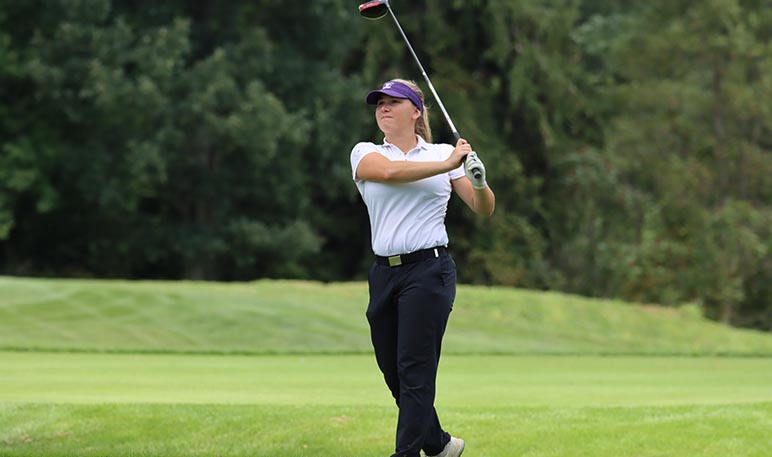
(465, 381)
(145, 404)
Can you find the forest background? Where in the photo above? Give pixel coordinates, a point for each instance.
(629, 143)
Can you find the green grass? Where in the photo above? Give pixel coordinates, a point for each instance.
(150, 404)
(264, 431)
(284, 369)
(283, 317)
(326, 380)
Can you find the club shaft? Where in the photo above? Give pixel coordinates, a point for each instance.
(426, 77)
(456, 136)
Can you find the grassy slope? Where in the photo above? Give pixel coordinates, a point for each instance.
(306, 317)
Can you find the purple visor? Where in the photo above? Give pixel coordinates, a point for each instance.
(396, 90)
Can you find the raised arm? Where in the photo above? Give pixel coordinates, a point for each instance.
(481, 201)
(375, 167)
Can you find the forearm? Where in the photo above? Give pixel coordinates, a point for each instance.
(378, 168)
(484, 202)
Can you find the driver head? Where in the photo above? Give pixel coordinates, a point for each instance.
(375, 9)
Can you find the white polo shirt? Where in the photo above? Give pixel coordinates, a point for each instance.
(411, 216)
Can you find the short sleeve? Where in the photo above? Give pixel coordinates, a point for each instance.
(359, 151)
(457, 173)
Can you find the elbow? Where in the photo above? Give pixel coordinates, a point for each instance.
(491, 205)
(387, 175)
(384, 176)
(485, 207)
(483, 211)
(390, 175)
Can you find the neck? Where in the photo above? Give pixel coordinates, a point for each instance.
(405, 142)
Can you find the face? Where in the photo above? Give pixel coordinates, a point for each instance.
(396, 115)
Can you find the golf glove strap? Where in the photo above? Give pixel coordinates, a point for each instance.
(474, 163)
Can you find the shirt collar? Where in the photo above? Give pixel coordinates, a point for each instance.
(422, 144)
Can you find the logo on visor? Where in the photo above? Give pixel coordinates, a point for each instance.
(387, 85)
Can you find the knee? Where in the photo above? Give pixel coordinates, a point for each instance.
(417, 377)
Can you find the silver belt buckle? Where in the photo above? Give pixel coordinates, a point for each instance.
(395, 261)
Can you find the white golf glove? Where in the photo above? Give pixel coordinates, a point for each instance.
(475, 166)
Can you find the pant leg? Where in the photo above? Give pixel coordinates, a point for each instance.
(382, 317)
(402, 300)
(425, 301)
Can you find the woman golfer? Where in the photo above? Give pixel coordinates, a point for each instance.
(406, 184)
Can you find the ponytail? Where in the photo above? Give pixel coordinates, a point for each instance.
(422, 127)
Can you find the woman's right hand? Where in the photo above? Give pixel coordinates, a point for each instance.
(462, 149)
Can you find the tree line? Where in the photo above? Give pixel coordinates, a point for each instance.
(629, 143)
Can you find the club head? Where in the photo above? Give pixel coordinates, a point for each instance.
(375, 9)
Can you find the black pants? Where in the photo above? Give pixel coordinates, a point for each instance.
(408, 312)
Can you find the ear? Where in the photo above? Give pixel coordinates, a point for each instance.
(416, 114)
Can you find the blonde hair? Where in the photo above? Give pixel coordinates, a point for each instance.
(422, 127)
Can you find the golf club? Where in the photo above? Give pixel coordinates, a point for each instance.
(376, 9)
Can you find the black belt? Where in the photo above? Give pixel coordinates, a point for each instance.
(417, 256)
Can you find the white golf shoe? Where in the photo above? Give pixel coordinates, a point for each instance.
(454, 448)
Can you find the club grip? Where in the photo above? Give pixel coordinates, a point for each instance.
(476, 172)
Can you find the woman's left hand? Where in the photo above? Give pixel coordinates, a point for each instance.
(474, 166)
